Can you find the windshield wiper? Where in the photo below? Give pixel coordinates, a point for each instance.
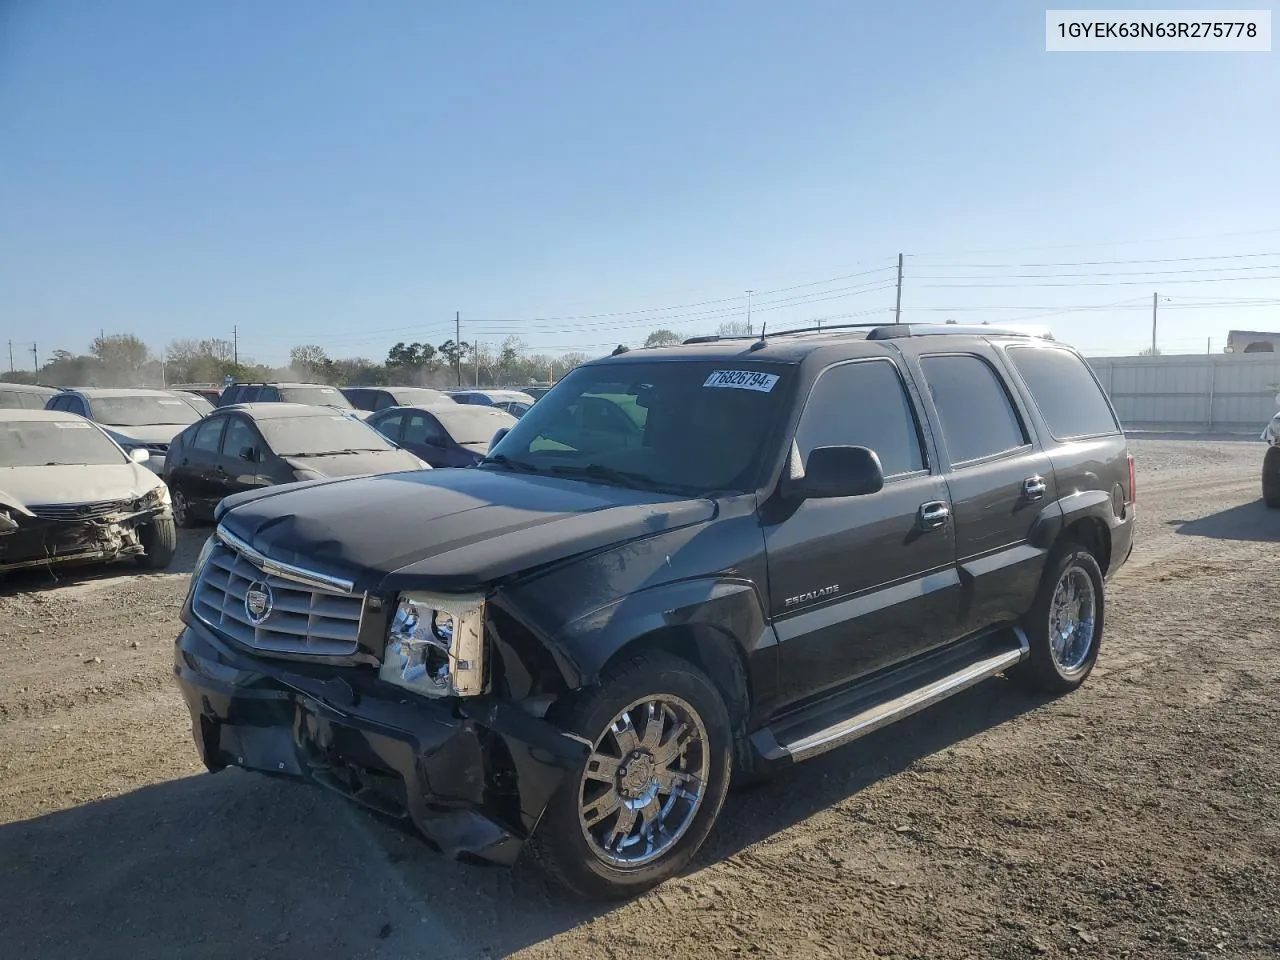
(624, 478)
(502, 460)
(335, 453)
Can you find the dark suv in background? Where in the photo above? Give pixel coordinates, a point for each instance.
(315, 394)
(751, 551)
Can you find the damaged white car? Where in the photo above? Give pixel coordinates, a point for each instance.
(69, 493)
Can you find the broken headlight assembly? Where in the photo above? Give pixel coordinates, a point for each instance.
(156, 497)
(435, 645)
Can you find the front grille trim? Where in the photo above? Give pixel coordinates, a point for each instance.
(306, 619)
(93, 510)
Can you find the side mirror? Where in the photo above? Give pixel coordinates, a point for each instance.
(838, 472)
(139, 455)
(497, 437)
(248, 454)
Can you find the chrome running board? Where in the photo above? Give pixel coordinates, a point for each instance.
(854, 713)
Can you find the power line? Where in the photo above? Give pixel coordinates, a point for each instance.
(1106, 273)
(1097, 263)
(1089, 283)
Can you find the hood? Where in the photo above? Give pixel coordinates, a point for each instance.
(446, 530)
(22, 486)
(149, 433)
(356, 464)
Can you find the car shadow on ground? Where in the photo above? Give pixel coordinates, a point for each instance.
(58, 576)
(242, 865)
(1248, 522)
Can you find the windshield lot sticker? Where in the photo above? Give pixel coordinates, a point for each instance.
(742, 380)
(72, 426)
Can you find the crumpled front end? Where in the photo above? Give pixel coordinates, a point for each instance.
(42, 536)
(472, 775)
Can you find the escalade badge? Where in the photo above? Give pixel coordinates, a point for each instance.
(258, 602)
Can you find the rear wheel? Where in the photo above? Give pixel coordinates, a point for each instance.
(160, 541)
(1064, 626)
(1271, 477)
(181, 507)
(638, 808)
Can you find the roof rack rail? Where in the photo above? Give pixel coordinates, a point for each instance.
(895, 330)
(715, 337)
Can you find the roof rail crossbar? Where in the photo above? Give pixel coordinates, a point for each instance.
(715, 337)
(895, 330)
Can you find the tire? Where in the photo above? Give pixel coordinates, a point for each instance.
(568, 848)
(1044, 671)
(1271, 477)
(181, 508)
(160, 541)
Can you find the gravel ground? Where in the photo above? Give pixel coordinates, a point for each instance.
(1138, 817)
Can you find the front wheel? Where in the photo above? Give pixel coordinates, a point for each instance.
(1064, 626)
(638, 808)
(160, 542)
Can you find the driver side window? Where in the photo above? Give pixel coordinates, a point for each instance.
(238, 436)
(863, 404)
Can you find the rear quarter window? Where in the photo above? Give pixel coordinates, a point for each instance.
(1065, 391)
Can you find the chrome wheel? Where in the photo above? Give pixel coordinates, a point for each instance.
(1072, 620)
(644, 781)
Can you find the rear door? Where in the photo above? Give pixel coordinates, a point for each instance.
(424, 437)
(999, 478)
(390, 425)
(858, 584)
(192, 469)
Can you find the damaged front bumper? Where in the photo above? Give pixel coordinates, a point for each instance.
(473, 776)
(27, 540)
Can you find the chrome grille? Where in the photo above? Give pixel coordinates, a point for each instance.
(302, 619)
(81, 511)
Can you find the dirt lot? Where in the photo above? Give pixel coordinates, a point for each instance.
(1138, 818)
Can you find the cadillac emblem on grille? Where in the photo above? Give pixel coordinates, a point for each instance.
(258, 602)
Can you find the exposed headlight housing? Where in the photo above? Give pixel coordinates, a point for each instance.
(435, 645)
(155, 497)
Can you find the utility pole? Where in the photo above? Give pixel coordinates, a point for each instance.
(897, 307)
(476, 349)
(35, 357)
(1155, 301)
(235, 345)
(748, 313)
(11, 356)
(457, 345)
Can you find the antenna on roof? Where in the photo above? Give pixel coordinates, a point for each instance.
(760, 344)
(617, 350)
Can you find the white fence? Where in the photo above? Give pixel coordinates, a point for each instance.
(1226, 392)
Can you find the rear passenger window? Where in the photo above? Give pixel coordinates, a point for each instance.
(863, 405)
(978, 419)
(1069, 398)
(384, 401)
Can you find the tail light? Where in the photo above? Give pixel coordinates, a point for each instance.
(1133, 482)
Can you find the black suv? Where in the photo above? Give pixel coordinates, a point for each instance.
(766, 549)
(314, 394)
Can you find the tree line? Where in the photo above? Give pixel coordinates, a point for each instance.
(124, 360)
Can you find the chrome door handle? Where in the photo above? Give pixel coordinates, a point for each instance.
(934, 515)
(1033, 488)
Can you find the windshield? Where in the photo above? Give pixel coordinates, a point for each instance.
(472, 424)
(38, 443)
(316, 396)
(22, 400)
(413, 396)
(198, 403)
(309, 436)
(141, 411)
(689, 427)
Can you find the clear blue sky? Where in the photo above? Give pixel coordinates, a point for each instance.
(351, 173)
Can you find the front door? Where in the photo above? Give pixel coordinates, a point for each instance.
(858, 584)
(193, 471)
(236, 469)
(1000, 480)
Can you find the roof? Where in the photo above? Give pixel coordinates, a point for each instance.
(280, 383)
(278, 411)
(1252, 334)
(92, 392)
(29, 388)
(11, 416)
(792, 346)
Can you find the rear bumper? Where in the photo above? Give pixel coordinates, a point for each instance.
(474, 783)
(1123, 535)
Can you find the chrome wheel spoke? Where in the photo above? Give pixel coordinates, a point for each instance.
(601, 807)
(624, 734)
(621, 829)
(603, 768)
(653, 722)
(668, 751)
(1072, 622)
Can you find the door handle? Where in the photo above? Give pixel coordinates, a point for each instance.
(1033, 488)
(934, 514)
